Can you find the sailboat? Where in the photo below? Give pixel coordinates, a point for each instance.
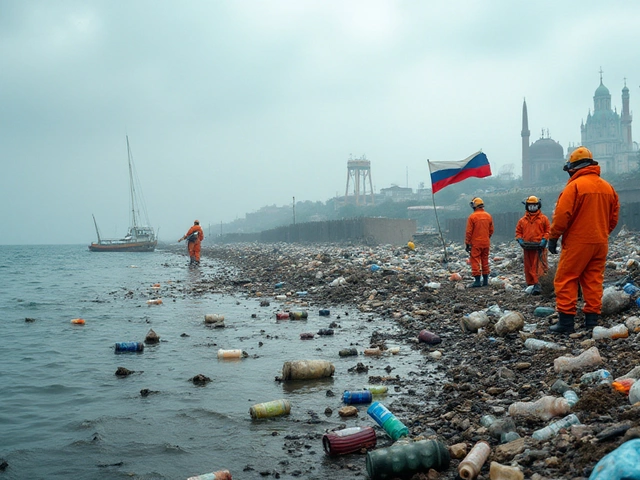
(139, 238)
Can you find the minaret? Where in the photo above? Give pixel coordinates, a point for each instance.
(625, 118)
(526, 173)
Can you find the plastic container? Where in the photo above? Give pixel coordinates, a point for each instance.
(227, 354)
(430, 338)
(353, 397)
(623, 463)
(503, 472)
(633, 324)
(377, 389)
(307, 369)
(630, 289)
(571, 397)
(599, 376)
(634, 393)
(617, 331)
(537, 344)
(325, 331)
(373, 352)
(509, 322)
(624, 385)
(388, 421)
(298, 315)
(544, 408)
(553, 428)
(349, 440)
(219, 475)
(274, 408)
(155, 301)
(324, 312)
(77, 321)
(406, 459)
(282, 316)
(129, 347)
(614, 301)
(499, 428)
(348, 352)
(568, 363)
(213, 318)
(281, 297)
(543, 311)
(474, 321)
(472, 463)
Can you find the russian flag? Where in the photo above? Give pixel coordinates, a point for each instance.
(447, 173)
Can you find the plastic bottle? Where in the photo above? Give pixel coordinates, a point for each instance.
(298, 315)
(362, 396)
(569, 363)
(281, 297)
(617, 331)
(571, 397)
(77, 321)
(537, 344)
(155, 301)
(634, 393)
(324, 312)
(226, 354)
(213, 318)
(614, 301)
(430, 338)
(404, 460)
(544, 311)
(219, 475)
(622, 463)
(373, 352)
(503, 428)
(599, 376)
(474, 321)
(274, 408)
(630, 288)
(503, 472)
(470, 467)
(348, 352)
(349, 440)
(544, 408)
(377, 389)
(129, 347)
(301, 294)
(509, 322)
(307, 369)
(553, 428)
(388, 421)
(282, 315)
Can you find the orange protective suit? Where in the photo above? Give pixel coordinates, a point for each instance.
(586, 213)
(194, 247)
(533, 227)
(478, 235)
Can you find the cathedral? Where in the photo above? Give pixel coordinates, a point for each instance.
(606, 133)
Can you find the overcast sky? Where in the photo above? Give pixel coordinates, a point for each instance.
(233, 105)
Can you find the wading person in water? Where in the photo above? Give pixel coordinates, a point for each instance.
(194, 237)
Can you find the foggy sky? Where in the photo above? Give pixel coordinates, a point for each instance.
(233, 105)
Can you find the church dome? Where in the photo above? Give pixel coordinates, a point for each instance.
(546, 149)
(601, 91)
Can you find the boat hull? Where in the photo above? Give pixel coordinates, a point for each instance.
(123, 247)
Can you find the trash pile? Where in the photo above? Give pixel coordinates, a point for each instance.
(516, 401)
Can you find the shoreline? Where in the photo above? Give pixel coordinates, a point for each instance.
(485, 372)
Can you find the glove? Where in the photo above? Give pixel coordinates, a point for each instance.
(521, 242)
(553, 245)
(468, 248)
(543, 243)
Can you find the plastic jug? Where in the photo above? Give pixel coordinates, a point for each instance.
(274, 408)
(553, 428)
(544, 408)
(349, 440)
(569, 363)
(617, 331)
(470, 467)
(621, 464)
(307, 369)
(503, 472)
(404, 460)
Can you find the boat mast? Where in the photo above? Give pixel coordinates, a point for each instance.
(131, 190)
(96, 224)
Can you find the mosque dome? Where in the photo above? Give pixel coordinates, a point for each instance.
(601, 91)
(546, 149)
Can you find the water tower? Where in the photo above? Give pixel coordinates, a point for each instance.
(359, 174)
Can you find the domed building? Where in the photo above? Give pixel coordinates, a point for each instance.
(541, 159)
(608, 135)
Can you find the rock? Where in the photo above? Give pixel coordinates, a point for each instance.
(123, 372)
(505, 452)
(348, 411)
(458, 451)
(152, 338)
(200, 379)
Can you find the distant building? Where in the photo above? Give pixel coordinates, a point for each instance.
(608, 135)
(395, 192)
(540, 159)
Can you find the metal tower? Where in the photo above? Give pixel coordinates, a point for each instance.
(359, 171)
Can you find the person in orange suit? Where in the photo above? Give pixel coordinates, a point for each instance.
(194, 237)
(478, 240)
(532, 234)
(586, 213)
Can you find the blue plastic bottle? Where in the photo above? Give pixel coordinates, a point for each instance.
(622, 463)
(630, 288)
(129, 346)
(362, 396)
(388, 421)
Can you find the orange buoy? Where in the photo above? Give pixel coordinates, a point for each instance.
(78, 321)
(156, 301)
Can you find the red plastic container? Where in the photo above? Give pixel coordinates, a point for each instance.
(282, 315)
(426, 336)
(349, 440)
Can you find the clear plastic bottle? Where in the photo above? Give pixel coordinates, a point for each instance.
(503, 472)
(503, 428)
(227, 354)
(569, 363)
(474, 321)
(599, 376)
(470, 467)
(553, 428)
(544, 408)
(537, 344)
(571, 397)
(617, 331)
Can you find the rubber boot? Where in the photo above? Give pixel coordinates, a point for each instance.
(192, 260)
(591, 320)
(564, 325)
(477, 282)
(485, 280)
(536, 289)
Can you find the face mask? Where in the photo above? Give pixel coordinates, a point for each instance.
(532, 207)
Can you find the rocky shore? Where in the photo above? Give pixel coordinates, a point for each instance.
(485, 371)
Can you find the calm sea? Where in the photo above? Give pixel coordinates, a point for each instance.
(65, 414)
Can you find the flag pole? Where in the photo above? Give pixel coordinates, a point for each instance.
(435, 210)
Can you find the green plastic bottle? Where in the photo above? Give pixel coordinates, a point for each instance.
(407, 459)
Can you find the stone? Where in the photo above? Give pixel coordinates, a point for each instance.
(505, 452)
(458, 451)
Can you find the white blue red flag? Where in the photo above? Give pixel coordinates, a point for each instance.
(447, 173)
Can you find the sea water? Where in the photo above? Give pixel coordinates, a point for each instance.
(65, 414)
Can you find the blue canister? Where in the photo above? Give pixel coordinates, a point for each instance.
(129, 346)
(379, 413)
(324, 312)
(630, 288)
(375, 268)
(362, 396)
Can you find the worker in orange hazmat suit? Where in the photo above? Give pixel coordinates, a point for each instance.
(586, 213)
(478, 240)
(194, 237)
(532, 234)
